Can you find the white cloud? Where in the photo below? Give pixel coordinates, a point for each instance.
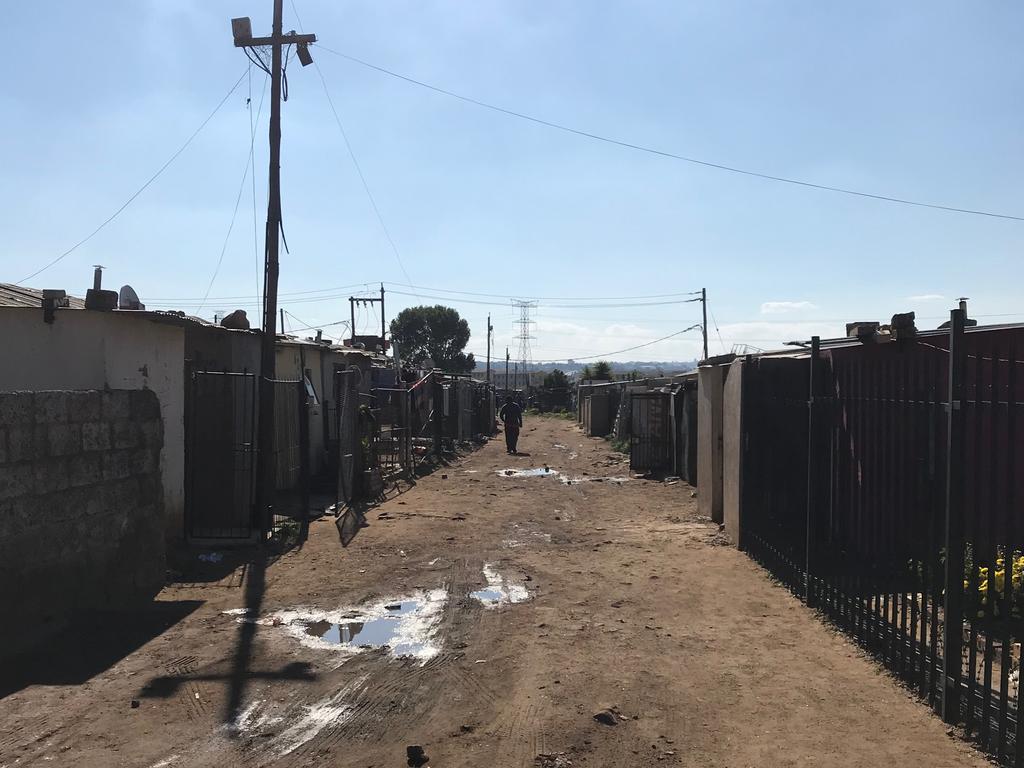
(926, 297)
(779, 307)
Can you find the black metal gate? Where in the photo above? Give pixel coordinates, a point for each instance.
(650, 439)
(346, 413)
(220, 455)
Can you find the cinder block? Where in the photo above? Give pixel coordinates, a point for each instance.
(145, 462)
(152, 433)
(85, 469)
(96, 436)
(145, 404)
(51, 407)
(84, 406)
(116, 405)
(21, 442)
(15, 480)
(125, 434)
(50, 475)
(17, 408)
(64, 439)
(117, 465)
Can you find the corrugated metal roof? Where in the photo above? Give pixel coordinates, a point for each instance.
(17, 296)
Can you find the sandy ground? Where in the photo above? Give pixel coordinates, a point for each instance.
(631, 603)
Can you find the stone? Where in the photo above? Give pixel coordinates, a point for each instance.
(50, 475)
(415, 756)
(95, 436)
(63, 439)
(51, 407)
(84, 406)
(125, 434)
(17, 408)
(85, 469)
(116, 405)
(118, 464)
(606, 716)
(22, 444)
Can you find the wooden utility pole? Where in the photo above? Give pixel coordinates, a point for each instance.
(704, 325)
(507, 357)
(241, 30)
(489, 329)
(383, 329)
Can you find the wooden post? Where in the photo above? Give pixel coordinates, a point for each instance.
(277, 40)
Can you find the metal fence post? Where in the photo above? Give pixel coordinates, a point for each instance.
(812, 390)
(304, 461)
(952, 636)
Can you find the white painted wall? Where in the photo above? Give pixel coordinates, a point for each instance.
(84, 349)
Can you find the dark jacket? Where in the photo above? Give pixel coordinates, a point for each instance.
(511, 414)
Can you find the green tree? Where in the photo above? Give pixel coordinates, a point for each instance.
(602, 371)
(556, 380)
(437, 333)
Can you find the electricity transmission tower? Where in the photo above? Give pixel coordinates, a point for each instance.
(524, 336)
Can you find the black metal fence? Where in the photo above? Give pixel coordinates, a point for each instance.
(883, 484)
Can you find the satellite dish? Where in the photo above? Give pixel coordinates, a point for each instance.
(127, 298)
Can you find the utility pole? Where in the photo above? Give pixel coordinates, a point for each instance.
(241, 30)
(507, 358)
(353, 300)
(704, 325)
(489, 329)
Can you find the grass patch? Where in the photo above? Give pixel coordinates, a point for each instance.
(620, 444)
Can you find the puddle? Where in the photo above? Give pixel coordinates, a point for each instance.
(382, 632)
(498, 591)
(537, 472)
(406, 626)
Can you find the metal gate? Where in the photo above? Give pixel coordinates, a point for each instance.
(346, 414)
(220, 456)
(650, 438)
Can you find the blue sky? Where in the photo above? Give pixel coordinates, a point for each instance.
(917, 100)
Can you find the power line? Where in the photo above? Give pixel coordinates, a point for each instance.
(715, 323)
(255, 214)
(552, 298)
(556, 306)
(238, 199)
(671, 155)
(355, 161)
(628, 349)
(141, 189)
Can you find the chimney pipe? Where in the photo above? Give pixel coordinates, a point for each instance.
(963, 304)
(97, 277)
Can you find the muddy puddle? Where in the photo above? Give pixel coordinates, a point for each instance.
(499, 589)
(405, 627)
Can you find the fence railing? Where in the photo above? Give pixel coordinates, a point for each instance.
(883, 484)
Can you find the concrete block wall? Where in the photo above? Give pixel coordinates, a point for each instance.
(81, 507)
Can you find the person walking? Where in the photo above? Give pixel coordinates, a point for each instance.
(511, 415)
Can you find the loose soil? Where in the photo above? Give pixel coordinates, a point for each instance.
(634, 611)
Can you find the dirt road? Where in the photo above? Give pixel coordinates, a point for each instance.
(599, 594)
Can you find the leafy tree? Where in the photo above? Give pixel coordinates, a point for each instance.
(601, 371)
(437, 333)
(556, 380)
